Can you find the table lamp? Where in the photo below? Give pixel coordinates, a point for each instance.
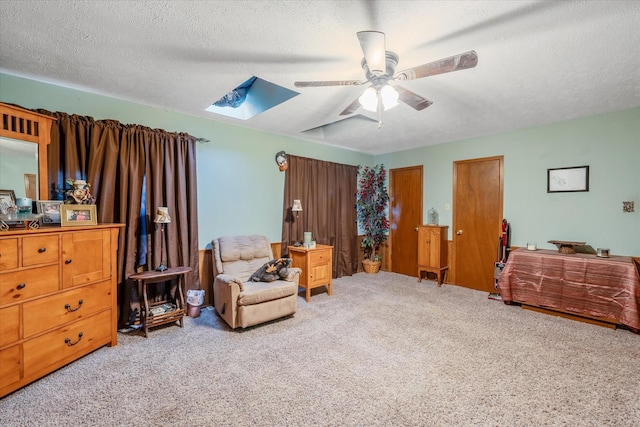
(297, 208)
(162, 218)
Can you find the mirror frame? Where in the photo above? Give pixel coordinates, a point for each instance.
(25, 125)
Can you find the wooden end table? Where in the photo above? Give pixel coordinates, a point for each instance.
(316, 265)
(150, 277)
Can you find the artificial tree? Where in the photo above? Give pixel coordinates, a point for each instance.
(372, 199)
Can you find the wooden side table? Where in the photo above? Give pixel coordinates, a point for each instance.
(316, 265)
(150, 277)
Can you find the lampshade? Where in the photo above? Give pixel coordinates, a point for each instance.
(297, 206)
(369, 99)
(389, 97)
(162, 215)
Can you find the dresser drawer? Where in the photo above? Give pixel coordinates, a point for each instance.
(8, 254)
(50, 312)
(40, 250)
(24, 284)
(59, 347)
(10, 371)
(9, 325)
(319, 257)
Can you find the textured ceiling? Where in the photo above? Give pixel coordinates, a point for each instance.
(539, 61)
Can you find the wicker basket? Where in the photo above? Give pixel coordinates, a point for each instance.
(371, 267)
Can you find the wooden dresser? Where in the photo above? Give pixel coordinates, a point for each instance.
(57, 299)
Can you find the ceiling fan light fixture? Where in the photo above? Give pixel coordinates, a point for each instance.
(369, 99)
(389, 97)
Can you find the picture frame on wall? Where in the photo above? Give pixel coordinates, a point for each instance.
(50, 210)
(566, 180)
(74, 215)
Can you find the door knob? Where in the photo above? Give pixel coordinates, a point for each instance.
(459, 232)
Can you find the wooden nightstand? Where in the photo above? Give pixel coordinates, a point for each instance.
(316, 265)
(150, 277)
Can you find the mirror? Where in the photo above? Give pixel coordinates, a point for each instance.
(24, 134)
(19, 160)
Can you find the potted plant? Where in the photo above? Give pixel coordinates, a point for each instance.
(372, 199)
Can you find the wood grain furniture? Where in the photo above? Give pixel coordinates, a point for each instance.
(603, 291)
(146, 278)
(432, 250)
(316, 265)
(57, 299)
(239, 301)
(24, 125)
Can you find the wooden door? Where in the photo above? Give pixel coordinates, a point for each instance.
(405, 214)
(30, 186)
(477, 220)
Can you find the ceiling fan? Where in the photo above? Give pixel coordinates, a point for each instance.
(379, 66)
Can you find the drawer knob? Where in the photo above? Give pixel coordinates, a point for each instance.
(69, 309)
(22, 286)
(42, 250)
(68, 342)
(67, 261)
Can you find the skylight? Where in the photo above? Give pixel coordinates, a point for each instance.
(251, 98)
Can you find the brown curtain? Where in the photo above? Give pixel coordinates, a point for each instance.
(327, 192)
(115, 159)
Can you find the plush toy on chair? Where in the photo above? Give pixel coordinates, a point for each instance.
(272, 270)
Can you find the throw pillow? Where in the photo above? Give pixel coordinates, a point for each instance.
(272, 270)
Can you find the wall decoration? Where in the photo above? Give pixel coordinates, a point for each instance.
(571, 179)
(281, 160)
(78, 215)
(627, 207)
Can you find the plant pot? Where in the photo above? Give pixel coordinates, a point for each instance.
(371, 267)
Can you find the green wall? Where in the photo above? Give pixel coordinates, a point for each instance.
(609, 144)
(240, 186)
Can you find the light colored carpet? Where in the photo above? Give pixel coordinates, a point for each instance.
(383, 350)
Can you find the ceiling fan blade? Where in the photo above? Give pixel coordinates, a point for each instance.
(351, 108)
(441, 66)
(329, 83)
(374, 49)
(412, 99)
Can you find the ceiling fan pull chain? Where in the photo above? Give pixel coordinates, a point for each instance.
(380, 107)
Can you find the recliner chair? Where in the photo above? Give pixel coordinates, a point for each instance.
(243, 303)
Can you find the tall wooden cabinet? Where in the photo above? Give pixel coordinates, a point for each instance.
(57, 299)
(432, 250)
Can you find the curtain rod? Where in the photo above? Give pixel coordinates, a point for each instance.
(203, 140)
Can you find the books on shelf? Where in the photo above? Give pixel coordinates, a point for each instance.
(162, 309)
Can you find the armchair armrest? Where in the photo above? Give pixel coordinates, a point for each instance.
(229, 280)
(293, 275)
(225, 297)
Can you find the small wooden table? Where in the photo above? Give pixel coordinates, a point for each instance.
(316, 265)
(150, 277)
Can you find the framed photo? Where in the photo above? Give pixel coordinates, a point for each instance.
(78, 215)
(50, 210)
(564, 180)
(8, 197)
